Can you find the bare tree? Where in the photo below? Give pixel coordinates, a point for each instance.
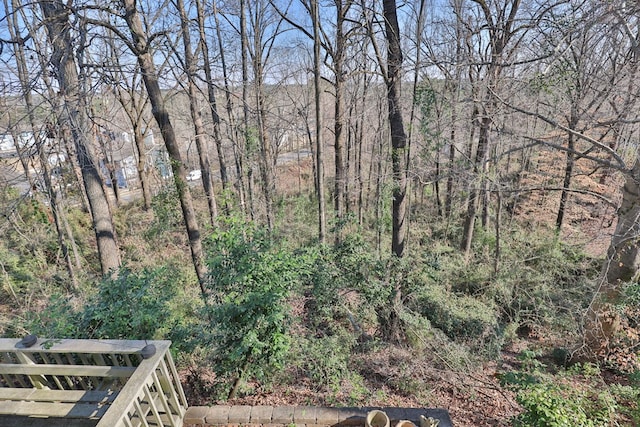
(211, 92)
(335, 45)
(319, 155)
(233, 128)
(127, 92)
(141, 48)
(190, 65)
(393, 79)
(504, 34)
(258, 39)
(64, 239)
(74, 115)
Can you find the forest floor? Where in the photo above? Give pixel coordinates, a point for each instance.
(473, 397)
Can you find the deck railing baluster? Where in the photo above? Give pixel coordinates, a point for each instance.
(102, 380)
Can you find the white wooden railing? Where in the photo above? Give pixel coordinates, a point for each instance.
(103, 383)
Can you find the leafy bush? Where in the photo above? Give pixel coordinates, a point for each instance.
(325, 360)
(348, 268)
(458, 316)
(541, 283)
(250, 280)
(575, 398)
(545, 405)
(628, 398)
(58, 319)
(135, 305)
(544, 283)
(167, 213)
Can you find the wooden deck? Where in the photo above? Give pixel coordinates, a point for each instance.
(81, 383)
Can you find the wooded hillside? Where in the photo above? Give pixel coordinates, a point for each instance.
(424, 203)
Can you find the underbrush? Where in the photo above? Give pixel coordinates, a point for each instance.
(352, 325)
(577, 396)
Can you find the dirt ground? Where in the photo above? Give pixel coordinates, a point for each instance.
(472, 398)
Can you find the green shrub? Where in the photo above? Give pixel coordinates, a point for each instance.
(135, 305)
(167, 213)
(347, 268)
(325, 360)
(628, 398)
(250, 281)
(458, 316)
(546, 406)
(58, 319)
(575, 398)
(542, 283)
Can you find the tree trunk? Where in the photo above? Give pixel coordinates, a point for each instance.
(319, 169)
(339, 85)
(568, 173)
(133, 103)
(621, 266)
(75, 116)
(266, 158)
(143, 173)
(196, 117)
(398, 157)
(480, 163)
(396, 124)
(238, 149)
(161, 115)
(211, 92)
(56, 211)
(259, 55)
(244, 41)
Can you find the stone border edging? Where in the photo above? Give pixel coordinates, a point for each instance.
(301, 416)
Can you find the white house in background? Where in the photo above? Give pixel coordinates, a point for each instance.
(56, 159)
(24, 139)
(7, 143)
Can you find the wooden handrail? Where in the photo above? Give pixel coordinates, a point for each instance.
(75, 346)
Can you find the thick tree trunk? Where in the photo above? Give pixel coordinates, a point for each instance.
(398, 160)
(161, 115)
(621, 266)
(75, 117)
(396, 124)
